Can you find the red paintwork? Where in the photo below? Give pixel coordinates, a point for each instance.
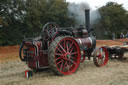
(26, 73)
(104, 62)
(43, 60)
(38, 57)
(84, 42)
(67, 56)
(32, 64)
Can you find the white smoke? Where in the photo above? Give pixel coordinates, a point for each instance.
(77, 11)
(94, 16)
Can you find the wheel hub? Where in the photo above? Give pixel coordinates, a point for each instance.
(67, 56)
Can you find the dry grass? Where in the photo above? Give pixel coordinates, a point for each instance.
(114, 73)
(12, 72)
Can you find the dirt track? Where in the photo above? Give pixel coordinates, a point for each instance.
(12, 73)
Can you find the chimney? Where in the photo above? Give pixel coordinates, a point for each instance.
(87, 19)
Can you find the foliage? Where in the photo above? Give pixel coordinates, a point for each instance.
(19, 18)
(114, 19)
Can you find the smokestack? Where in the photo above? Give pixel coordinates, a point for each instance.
(87, 19)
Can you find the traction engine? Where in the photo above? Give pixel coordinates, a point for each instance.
(61, 49)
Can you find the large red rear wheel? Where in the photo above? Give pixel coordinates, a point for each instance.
(64, 55)
(100, 57)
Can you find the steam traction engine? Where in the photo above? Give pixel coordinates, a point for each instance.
(62, 49)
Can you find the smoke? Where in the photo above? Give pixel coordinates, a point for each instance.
(94, 16)
(77, 11)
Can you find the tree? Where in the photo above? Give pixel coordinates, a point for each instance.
(113, 18)
(19, 18)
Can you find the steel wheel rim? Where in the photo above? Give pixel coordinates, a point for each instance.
(102, 58)
(67, 56)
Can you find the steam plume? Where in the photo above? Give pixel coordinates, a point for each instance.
(77, 11)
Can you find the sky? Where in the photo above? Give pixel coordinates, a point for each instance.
(98, 3)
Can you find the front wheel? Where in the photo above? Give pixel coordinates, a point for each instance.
(64, 55)
(100, 57)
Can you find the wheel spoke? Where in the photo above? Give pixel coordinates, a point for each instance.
(72, 61)
(58, 58)
(102, 61)
(62, 48)
(58, 54)
(50, 26)
(70, 45)
(61, 66)
(67, 66)
(74, 53)
(102, 57)
(64, 65)
(59, 62)
(101, 51)
(72, 57)
(71, 50)
(59, 50)
(99, 56)
(98, 59)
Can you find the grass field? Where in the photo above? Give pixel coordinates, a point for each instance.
(12, 71)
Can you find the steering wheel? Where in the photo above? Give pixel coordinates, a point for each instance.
(49, 29)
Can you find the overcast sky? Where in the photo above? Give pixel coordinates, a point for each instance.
(98, 3)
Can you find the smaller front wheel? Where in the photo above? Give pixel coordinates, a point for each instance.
(100, 57)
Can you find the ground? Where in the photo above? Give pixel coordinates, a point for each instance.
(12, 71)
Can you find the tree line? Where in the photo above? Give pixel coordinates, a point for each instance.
(114, 18)
(20, 18)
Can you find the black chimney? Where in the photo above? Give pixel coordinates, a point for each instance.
(87, 19)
